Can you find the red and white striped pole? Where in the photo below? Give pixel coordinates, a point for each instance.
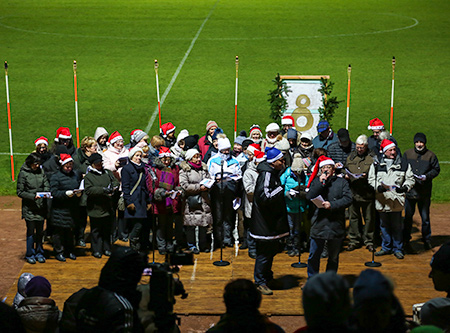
(392, 97)
(76, 101)
(236, 99)
(349, 71)
(8, 107)
(157, 91)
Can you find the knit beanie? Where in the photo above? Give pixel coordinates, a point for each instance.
(297, 163)
(38, 286)
(420, 137)
(210, 124)
(191, 153)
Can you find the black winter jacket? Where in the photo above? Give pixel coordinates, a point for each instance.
(99, 203)
(65, 210)
(330, 223)
(140, 197)
(269, 213)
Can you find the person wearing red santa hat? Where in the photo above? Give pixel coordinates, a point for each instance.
(167, 132)
(255, 134)
(41, 147)
(64, 137)
(328, 221)
(391, 178)
(377, 127)
(287, 122)
(64, 186)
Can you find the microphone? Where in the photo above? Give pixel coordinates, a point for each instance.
(324, 181)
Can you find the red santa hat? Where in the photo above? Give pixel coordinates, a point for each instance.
(114, 137)
(254, 147)
(287, 120)
(375, 124)
(41, 140)
(259, 156)
(321, 161)
(167, 128)
(386, 144)
(63, 133)
(255, 128)
(65, 158)
(164, 152)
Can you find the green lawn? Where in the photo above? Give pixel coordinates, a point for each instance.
(115, 43)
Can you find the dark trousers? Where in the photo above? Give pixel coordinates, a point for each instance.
(358, 232)
(265, 252)
(204, 239)
(224, 216)
(315, 251)
(119, 227)
(423, 205)
(35, 231)
(63, 241)
(101, 233)
(137, 237)
(164, 232)
(80, 224)
(250, 240)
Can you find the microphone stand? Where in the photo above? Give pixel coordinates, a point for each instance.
(221, 262)
(372, 263)
(153, 220)
(299, 264)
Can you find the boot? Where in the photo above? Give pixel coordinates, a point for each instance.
(135, 244)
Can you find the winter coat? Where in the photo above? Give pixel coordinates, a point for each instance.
(140, 197)
(209, 153)
(290, 181)
(204, 143)
(51, 166)
(318, 142)
(357, 164)
(99, 203)
(28, 183)
(338, 153)
(249, 182)
(425, 163)
(80, 161)
(190, 179)
(399, 174)
(65, 210)
(162, 203)
(39, 314)
(269, 212)
(330, 223)
(110, 156)
(168, 142)
(374, 145)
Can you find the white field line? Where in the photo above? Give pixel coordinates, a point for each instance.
(175, 75)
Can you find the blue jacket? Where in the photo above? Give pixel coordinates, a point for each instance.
(140, 197)
(289, 180)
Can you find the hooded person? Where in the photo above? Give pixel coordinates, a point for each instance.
(167, 132)
(375, 306)
(226, 172)
(177, 150)
(269, 218)
(21, 283)
(101, 135)
(112, 305)
(326, 302)
(37, 311)
(283, 146)
(206, 141)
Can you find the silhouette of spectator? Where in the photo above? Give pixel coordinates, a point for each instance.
(242, 300)
(9, 320)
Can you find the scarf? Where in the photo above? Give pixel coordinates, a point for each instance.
(197, 166)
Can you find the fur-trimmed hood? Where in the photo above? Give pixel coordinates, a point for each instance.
(185, 166)
(159, 164)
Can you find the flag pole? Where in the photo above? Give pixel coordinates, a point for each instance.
(349, 72)
(392, 97)
(157, 91)
(8, 107)
(236, 98)
(76, 101)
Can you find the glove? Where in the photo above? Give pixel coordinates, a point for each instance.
(108, 190)
(131, 208)
(79, 194)
(381, 189)
(402, 189)
(69, 193)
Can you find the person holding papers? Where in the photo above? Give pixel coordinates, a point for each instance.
(425, 167)
(195, 181)
(392, 177)
(357, 169)
(331, 195)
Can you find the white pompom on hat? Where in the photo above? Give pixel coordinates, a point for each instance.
(223, 143)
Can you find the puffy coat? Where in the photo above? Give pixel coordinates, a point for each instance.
(165, 175)
(249, 183)
(297, 204)
(140, 197)
(425, 163)
(318, 142)
(99, 204)
(28, 183)
(204, 143)
(110, 156)
(269, 212)
(190, 179)
(65, 210)
(330, 223)
(360, 187)
(338, 153)
(399, 174)
(39, 314)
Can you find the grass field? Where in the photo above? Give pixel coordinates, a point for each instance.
(115, 43)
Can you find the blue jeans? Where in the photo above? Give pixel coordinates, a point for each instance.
(315, 251)
(423, 205)
(391, 231)
(265, 252)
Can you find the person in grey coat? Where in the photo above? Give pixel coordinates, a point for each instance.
(197, 208)
(32, 180)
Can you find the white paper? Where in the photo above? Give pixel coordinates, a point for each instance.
(420, 177)
(173, 194)
(236, 203)
(354, 175)
(207, 182)
(318, 201)
(44, 194)
(293, 192)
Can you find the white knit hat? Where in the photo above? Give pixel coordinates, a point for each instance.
(272, 127)
(223, 143)
(191, 153)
